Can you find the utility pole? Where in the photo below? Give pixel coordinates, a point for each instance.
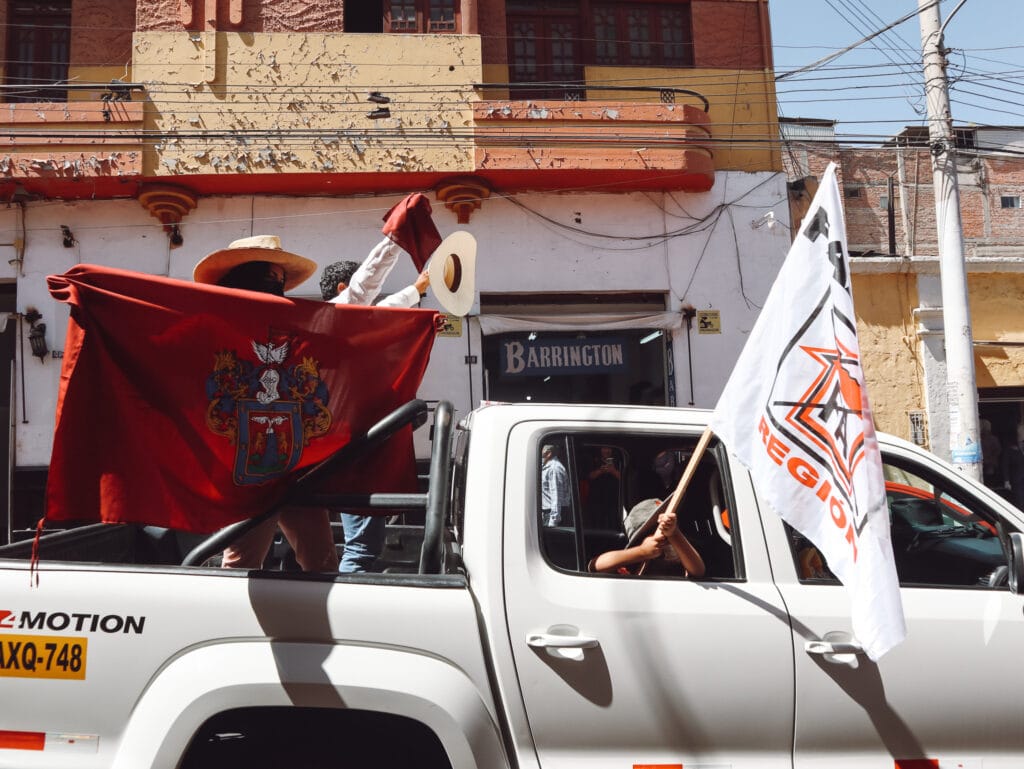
(961, 389)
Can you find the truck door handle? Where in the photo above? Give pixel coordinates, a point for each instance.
(832, 647)
(552, 641)
(836, 651)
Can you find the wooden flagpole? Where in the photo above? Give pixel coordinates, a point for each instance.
(684, 482)
(688, 473)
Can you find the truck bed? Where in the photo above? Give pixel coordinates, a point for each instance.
(130, 544)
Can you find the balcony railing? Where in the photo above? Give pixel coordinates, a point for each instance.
(577, 91)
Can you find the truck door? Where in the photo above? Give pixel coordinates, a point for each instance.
(620, 671)
(952, 693)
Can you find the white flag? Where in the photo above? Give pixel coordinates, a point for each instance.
(795, 411)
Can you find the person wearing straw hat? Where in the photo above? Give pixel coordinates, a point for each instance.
(260, 264)
(654, 545)
(257, 263)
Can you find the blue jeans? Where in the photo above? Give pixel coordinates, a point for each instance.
(364, 541)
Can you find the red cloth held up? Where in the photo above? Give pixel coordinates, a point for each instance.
(193, 406)
(409, 225)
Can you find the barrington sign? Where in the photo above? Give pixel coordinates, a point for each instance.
(568, 355)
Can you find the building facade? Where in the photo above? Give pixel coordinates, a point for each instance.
(889, 199)
(608, 157)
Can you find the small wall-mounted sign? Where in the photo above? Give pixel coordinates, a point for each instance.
(709, 322)
(56, 353)
(452, 325)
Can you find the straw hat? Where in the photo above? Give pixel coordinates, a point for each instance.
(452, 272)
(259, 248)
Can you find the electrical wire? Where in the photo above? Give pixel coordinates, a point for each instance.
(992, 90)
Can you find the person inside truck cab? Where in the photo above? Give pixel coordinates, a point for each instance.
(660, 477)
(654, 546)
(602, 507)
(260, 264)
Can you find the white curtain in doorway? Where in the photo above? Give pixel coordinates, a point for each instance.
(501, 324)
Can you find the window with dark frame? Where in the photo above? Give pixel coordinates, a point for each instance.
(550, 43)
(423, 16)
(38, 49)
(593, 521)
(965, 138)
(940, 536)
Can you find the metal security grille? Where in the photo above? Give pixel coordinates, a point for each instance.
(918, 428)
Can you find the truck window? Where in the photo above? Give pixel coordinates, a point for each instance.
(941, 536)
(589, 482)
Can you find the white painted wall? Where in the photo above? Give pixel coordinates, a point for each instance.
(699, 247)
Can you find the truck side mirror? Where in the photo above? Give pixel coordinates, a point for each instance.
(1015, 562)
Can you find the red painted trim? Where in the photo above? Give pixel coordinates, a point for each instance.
(694, 173)
(22, 740)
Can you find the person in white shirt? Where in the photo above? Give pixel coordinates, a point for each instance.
(354, 283)
(408, 228)
(554, 487)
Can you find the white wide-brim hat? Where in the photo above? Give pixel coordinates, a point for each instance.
(259, 248)
(452, 272)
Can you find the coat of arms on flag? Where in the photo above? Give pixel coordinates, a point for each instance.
(267, 409)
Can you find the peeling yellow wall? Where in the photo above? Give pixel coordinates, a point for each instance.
(742, 107)
(303, 97)
(996, 314)
(889, 348)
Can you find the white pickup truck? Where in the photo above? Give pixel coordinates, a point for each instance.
(494, 647)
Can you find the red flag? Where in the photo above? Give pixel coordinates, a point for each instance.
(193, 406)
(408, 224)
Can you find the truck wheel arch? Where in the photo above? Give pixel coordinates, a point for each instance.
(204, 682)
(298, 737)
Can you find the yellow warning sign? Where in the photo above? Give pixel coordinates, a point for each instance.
(709, 322)
(452, 325)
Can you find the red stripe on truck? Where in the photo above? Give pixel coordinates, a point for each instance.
(22, 740)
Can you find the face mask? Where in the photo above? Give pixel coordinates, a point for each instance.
(254, 276)
(271, 285)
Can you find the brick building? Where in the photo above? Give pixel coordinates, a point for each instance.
(891, 227)
(608, 158)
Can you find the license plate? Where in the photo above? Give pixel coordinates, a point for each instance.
(40, 656)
